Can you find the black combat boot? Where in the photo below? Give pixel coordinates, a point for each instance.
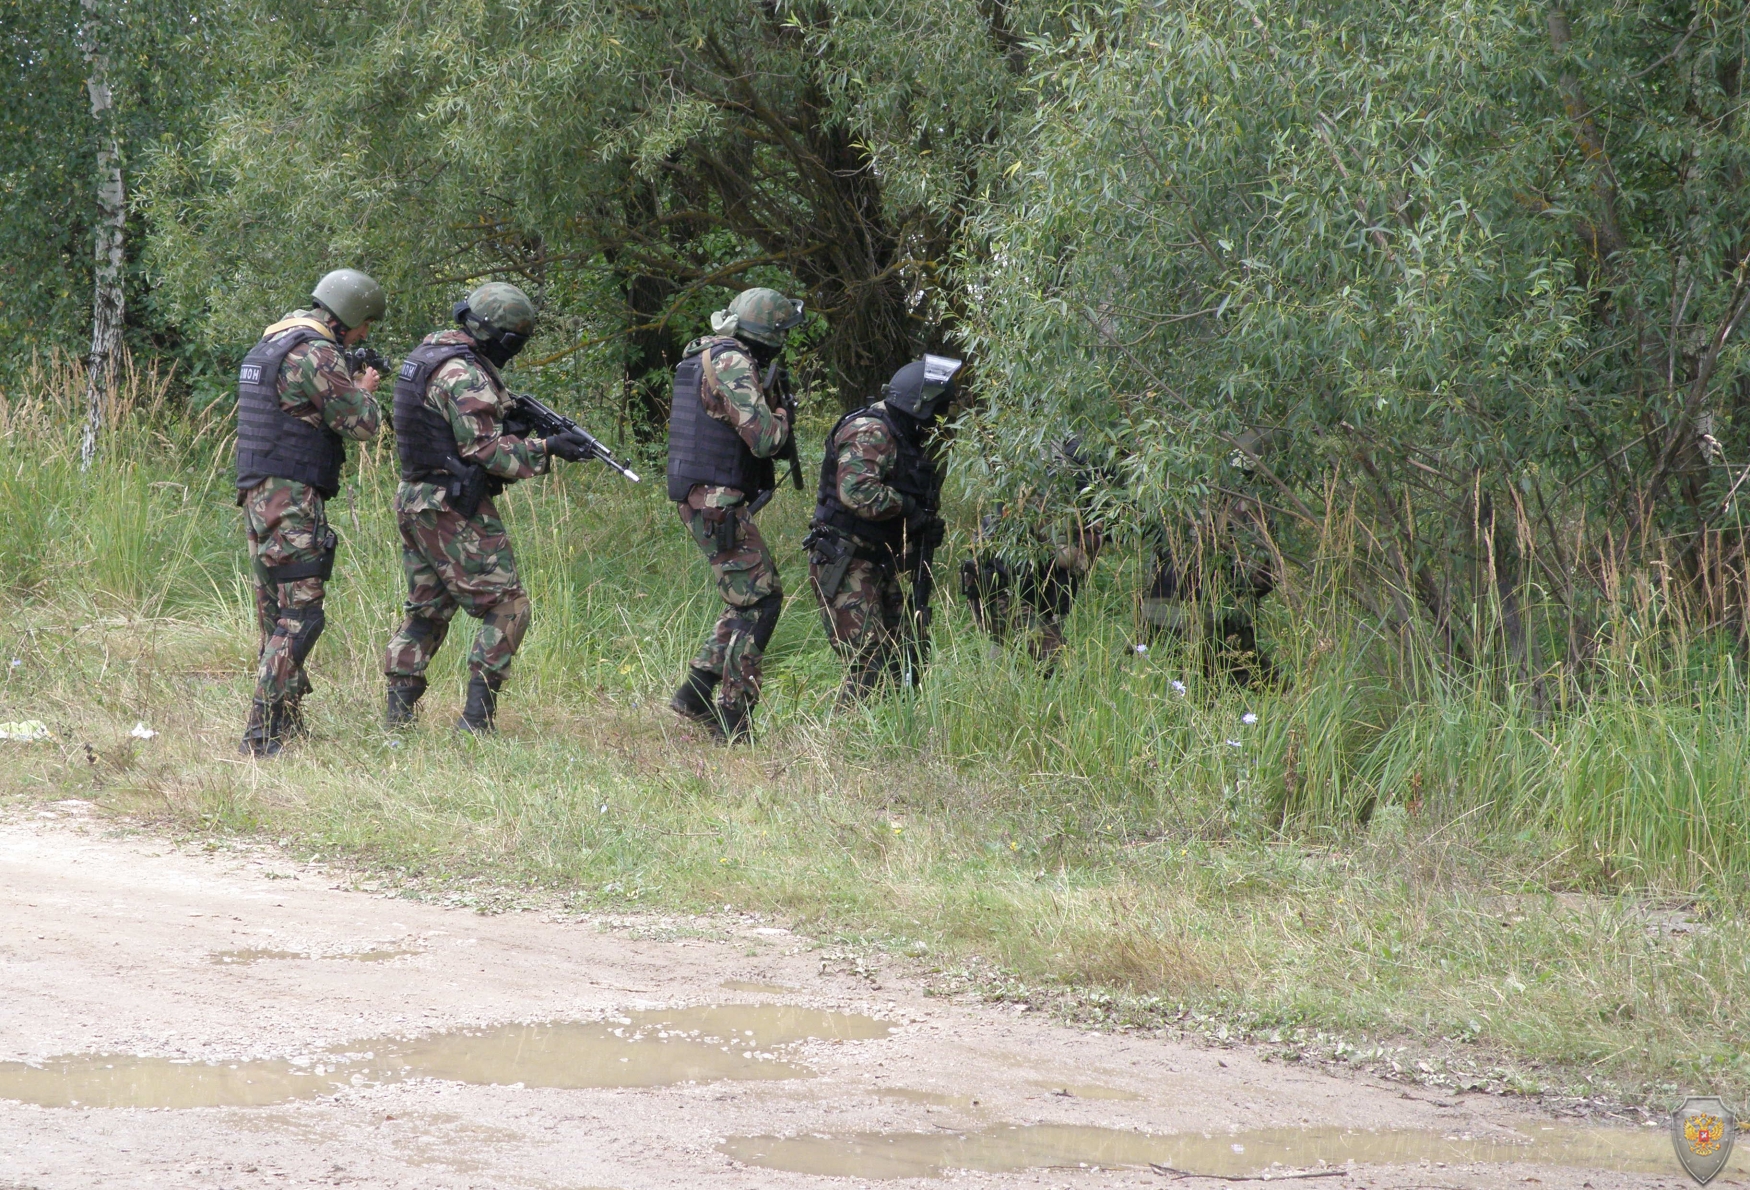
(482, 705)
(292, 710)
(268, 727)
(693, 699)
(733, 723)
(402, 698)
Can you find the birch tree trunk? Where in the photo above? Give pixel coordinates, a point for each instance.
(107, 296)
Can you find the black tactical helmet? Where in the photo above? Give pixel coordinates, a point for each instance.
(923, 388)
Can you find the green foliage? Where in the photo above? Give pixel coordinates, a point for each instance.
(632, 166)
(1469, 272)
(159, 76)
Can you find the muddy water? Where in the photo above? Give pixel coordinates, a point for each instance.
(254, 955)
(768, 989)
(1085, 1090)
(642, 1049)
(1008, 1149)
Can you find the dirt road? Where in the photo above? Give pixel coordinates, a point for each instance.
(181, 1019)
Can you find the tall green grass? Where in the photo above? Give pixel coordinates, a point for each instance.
(1641, 780)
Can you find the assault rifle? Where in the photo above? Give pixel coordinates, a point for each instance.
(360, 358)
(779, 375)
(529, 416)
(923, 540)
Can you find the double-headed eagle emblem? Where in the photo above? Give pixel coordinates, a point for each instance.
(1702, 1131)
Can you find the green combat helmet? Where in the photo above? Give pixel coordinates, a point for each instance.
(350, 296)
(500, 318)
(762, 315)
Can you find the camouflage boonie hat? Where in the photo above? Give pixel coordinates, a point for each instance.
(763, 315)
(503, 307)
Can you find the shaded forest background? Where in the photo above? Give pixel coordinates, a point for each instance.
(1458, 286)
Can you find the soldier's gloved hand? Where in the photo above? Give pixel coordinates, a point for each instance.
(569, 445)
(908, 508)
(932, 533)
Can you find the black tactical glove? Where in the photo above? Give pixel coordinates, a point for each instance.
(931, 533)
(909, 509)
(569, 445)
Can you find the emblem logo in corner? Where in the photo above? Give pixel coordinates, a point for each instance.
(1701, 1132)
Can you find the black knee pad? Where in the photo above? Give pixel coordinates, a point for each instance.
(765, 618)
(309, 621)
(420, 628)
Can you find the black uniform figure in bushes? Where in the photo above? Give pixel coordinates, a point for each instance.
(1209, 577)
(1030, 599)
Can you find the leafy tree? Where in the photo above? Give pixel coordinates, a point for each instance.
(1476, 271)
(630, 163)
(156, 75)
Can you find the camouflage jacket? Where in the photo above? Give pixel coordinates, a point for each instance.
(736, 398)
(474, 401)
(866, 454)
(316, 386)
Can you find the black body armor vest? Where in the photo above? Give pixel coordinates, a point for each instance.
(270, 441)
(702, 449)
(423, 438)
(913, 475)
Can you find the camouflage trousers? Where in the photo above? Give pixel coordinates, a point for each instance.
(747, 579)
(456, 563)
(287, 529)
(865, 620)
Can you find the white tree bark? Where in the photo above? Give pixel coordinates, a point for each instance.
(107, 297)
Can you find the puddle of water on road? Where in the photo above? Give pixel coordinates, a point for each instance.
(253, 955)
(1085, 1090)
(640, 1049)
(257, 955)
(765, 989)
(1009, 1149)
(926, 1098)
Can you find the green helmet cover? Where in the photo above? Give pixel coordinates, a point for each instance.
(763, 315)
(503, 308)
(351, 296)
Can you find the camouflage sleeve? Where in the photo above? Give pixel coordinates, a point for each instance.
(736, 398)
(315, 376)
(866, 454)
(476, 414)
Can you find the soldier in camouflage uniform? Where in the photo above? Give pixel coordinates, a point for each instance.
(876, 508)
(724, 430)
(297, 403)
(450, 405)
